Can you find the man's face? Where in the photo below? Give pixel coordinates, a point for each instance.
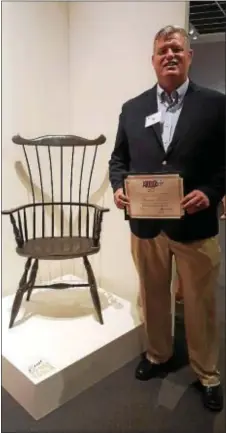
(171, 57)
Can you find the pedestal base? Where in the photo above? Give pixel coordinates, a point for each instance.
(57, 348)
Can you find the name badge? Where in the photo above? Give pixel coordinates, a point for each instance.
(152, 119)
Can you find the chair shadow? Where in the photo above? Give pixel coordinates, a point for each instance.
(63, 304)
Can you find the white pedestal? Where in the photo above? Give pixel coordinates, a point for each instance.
(57, 348)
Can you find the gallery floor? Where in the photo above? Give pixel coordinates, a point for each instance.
(121, 404)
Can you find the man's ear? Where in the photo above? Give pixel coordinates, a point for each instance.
(191, 54)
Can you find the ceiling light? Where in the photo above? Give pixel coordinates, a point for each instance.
(193, 34)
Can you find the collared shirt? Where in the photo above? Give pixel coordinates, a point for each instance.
(170, 107)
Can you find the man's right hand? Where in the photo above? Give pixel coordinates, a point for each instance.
(121, 200)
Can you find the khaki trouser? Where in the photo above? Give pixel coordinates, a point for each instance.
(197, 265)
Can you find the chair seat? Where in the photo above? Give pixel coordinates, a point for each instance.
(57, 248)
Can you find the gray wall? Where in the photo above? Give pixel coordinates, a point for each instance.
(208, 66)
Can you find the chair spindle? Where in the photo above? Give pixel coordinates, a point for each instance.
(80, 192)
(61, 191)
(52, 191)
(71, 189)
(20, 227)
(42, 191)
(32, 191)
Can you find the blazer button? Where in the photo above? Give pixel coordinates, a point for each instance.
(164, 162)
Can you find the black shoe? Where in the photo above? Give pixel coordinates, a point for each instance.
(212, 397)
(147, 370)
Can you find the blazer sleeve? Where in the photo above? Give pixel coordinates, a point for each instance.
(215, 190)
(119, 161)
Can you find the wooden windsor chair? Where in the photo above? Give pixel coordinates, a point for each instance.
(34, 224)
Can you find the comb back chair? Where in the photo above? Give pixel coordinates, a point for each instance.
(36, 235)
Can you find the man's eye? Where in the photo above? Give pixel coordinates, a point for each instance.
(177, 49)
(161, 52)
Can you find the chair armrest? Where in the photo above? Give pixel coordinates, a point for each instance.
(11, 211)
(16, 209)
(17, 231)
(100, 208)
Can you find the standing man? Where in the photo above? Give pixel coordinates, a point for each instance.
(223, 216)
(187, 135)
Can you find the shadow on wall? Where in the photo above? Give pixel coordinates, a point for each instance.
(49, 270)
(23, 176)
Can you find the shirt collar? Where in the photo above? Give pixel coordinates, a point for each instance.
(180, 91)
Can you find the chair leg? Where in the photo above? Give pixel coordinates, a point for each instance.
(93, 289)
(20, 292)
(31, 281)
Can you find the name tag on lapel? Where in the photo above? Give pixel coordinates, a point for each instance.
(152, 119)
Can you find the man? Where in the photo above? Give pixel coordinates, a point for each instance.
(187, 136)
(223, 216)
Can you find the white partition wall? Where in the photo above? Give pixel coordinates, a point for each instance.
(67, 68)
(35, 96)
(110, 62)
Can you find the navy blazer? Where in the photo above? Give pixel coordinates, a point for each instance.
(197, 151)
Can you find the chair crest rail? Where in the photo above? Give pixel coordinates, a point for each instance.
(59, 140)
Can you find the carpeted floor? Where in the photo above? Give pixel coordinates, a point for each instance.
(121, 404)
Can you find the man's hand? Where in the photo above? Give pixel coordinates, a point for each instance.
(121, 200)
(195, 201)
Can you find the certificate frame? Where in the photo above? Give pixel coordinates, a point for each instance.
(152, 180)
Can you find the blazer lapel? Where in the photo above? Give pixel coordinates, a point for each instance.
(151, 107)
(185, 118)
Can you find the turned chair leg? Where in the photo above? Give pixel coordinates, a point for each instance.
(93, 289)
(20, 292)
(31, 281)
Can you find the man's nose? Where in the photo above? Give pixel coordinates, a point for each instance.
(169, 53)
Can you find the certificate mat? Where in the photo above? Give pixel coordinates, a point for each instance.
(155, 196)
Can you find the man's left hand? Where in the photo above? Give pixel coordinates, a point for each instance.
(195, 201)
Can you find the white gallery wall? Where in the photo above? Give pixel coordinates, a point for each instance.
(35, 94)
(70, 70)
(110, 62)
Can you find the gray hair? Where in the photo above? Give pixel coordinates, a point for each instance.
(169, 30)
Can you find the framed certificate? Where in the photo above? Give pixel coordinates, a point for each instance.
(156, 196)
